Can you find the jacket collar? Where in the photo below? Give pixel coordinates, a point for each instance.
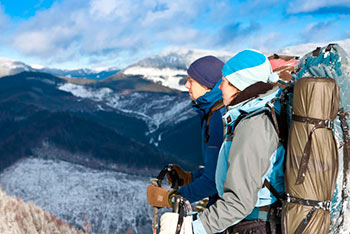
(252, 91)
(249, 106)
(203, 104)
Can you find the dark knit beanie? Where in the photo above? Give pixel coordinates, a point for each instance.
(206, 70)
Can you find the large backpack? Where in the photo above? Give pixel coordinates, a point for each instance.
(316, 194)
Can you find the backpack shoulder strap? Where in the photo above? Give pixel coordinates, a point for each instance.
(217, 106)
(245, 115)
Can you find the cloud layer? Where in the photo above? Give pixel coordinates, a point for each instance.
(104, 27)
(98, 31)
(319, 6)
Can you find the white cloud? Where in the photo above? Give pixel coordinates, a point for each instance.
(105, 28)
(4, 20)
(266, 42)
(302, 6)
(316, 32)
(119, 32)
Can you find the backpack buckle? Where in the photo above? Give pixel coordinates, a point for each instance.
(329, 124)
(228, 119)
(324, 205)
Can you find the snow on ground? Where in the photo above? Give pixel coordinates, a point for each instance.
(155, 109)
(83, 92)
(110, 201)
(166, 76)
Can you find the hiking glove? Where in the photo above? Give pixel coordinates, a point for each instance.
(186, 176)
(158, 196)
(168, 223)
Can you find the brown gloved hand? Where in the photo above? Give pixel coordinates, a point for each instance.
(158, 196)
(186, 176)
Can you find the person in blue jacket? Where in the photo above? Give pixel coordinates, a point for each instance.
(204, 78)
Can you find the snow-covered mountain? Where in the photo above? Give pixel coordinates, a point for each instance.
(80, 73)
(157, 110)
(111, 202)
(11, 67)
(169, 67)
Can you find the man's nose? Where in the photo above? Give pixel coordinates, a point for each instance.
(187, 85)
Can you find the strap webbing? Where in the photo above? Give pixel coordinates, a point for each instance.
(318, 123)
(325, 205)
(274, 117)
(305, 221)
(217, 106)
(272, 190)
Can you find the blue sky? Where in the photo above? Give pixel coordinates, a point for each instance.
(103, 33)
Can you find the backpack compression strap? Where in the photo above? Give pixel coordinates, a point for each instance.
(325, 205)
(217, 106)
(319, 123)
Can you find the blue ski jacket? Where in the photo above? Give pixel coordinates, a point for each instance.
(203, 180)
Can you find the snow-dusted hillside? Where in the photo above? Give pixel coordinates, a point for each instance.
(11, 67)
(20, 217)
(87, 73)
(111, 202)
(156, 109)
(169, 67)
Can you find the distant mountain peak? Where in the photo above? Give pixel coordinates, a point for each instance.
(169, 68)
(11, 67)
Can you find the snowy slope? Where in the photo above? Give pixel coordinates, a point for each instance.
(111, 202)
(169, 67)
(20, 217)
(156, 109)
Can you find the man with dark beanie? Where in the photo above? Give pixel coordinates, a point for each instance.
(204, 78)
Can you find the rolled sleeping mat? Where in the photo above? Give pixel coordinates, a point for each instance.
(312, 157)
